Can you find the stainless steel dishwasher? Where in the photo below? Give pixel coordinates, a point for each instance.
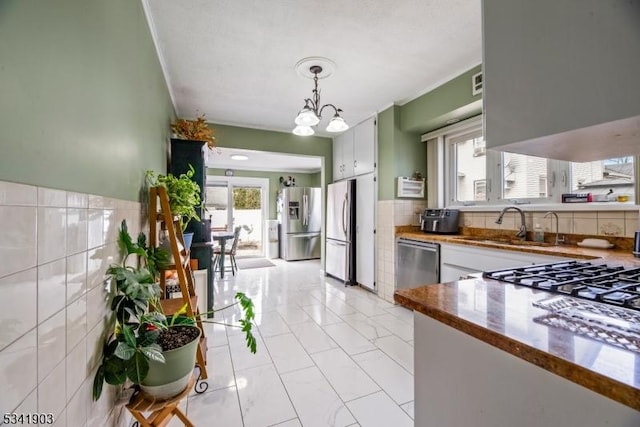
(418, 263)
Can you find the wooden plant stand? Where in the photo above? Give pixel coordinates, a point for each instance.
(162, 411)
(161, 216)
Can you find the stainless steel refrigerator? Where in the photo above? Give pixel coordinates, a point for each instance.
(340, 247)
(300, 217)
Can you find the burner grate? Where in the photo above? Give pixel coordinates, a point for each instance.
(627, 341)
(582, 279)
(612, 325)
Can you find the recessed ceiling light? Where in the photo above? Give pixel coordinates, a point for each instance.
(451, 121)
(239, 157)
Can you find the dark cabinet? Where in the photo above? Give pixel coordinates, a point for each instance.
(185, 153)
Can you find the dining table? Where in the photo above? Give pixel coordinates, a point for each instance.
(222, 237)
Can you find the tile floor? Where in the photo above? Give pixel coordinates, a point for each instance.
(327, 355)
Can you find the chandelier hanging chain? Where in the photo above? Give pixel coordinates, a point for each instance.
(314, 102)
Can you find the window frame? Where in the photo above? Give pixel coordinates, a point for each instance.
(441, 145)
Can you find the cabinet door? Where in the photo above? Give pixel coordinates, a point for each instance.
(580, 81)
(365, 230)
(338, 144)
(347, 153)
(364, 144)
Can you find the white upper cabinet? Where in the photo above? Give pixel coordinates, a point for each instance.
(343, 155)
(364, 144)
(562, 78)
(354, 151)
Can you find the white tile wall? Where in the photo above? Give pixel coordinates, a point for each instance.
(392, 213)
(53, 302)
(597, 223)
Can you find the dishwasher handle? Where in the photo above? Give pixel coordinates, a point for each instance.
(419, 244)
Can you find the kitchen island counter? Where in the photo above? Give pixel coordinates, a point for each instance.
(503, 316)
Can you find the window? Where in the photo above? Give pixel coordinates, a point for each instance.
(468, 168)
(472, 171)
(521, 176)
(480, 189)
(609, 178)
(542, 186)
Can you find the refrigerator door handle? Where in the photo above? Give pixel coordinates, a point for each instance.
(305, 209)
(344, 215)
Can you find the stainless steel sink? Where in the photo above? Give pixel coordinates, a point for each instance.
(498, 241)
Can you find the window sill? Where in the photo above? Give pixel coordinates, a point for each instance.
(593, 206)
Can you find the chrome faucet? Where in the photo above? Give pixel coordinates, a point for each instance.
(522, 233)
(558, 239)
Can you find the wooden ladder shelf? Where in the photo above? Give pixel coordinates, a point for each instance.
(162, 215)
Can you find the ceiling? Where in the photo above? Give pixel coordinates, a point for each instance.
(234, 61)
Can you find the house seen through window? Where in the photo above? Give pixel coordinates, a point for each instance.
(474, 170)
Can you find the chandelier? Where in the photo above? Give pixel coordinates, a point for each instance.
(311, 113)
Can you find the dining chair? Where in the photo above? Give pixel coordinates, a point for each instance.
(228, 251)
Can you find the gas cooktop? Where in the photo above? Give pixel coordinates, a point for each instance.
(581, 279)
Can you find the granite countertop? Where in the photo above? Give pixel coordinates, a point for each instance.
(608, 255)
(502, 315)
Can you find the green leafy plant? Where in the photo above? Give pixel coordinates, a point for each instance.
(137, 322)
(182, 191)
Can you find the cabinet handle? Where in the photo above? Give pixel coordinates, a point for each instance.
(355, 163)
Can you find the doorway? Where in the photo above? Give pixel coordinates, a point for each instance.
(239, 202)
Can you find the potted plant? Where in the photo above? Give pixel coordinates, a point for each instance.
(183, 194)
(195, 130)
(145, 347)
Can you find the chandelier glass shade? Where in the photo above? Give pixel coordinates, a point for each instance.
(311, 113)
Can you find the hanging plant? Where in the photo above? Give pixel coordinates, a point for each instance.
(195, 130)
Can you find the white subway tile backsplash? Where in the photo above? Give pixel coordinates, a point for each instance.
(95, 228)
(76, 276)
(54, 301)
(94, 343)
(29, 405)
(96, 202)
(77, 200)
(98, 300)
(52, 198)
(52, 391)
(77, 230)
(18, 371)
(52, 341)
(18, 313)
(611, 227)
(18, 246)
(61, 419)
(76, 373)
(630, 227)
(51, 288)
(96, 267)
(77, 408)
(110, 226)
(13, 194)
(585, 225)
(76, 322)
(52, 234)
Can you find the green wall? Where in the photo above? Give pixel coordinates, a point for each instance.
(302, 180)
(83, 102)
(452, 100)
(400, 152)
